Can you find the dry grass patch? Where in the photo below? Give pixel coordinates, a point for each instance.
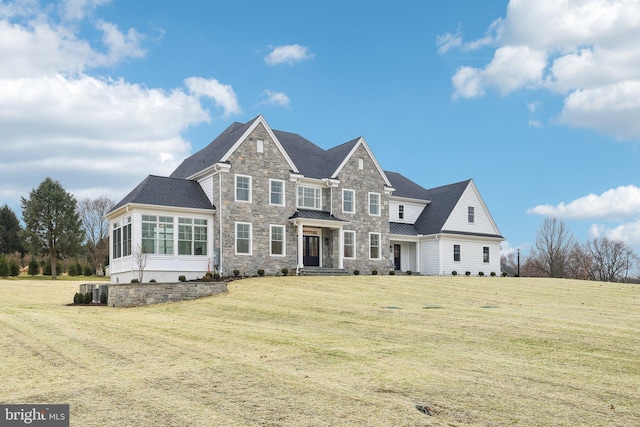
(332, 351)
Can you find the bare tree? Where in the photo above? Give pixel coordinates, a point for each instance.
(613, 260)
(580, 263)
(96, 227)
(140, 258)
(554, 243)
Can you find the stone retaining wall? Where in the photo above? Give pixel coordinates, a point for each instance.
(135, 294)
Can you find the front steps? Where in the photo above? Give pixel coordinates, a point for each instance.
(323, 271)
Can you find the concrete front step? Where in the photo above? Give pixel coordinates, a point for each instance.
(323, 271)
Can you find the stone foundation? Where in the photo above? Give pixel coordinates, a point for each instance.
(135, 294)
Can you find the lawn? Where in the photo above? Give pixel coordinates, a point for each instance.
(356, 351)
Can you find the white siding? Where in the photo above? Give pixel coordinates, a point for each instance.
(411, 211)
(471, 256)
(207, 186)
(458, 220)
(429, 257)
(408, 258)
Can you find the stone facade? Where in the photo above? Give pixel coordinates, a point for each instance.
(136, 294)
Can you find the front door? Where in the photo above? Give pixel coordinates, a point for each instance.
(396, 257)
(311, 251)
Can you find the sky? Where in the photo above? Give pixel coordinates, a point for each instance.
(536, 100)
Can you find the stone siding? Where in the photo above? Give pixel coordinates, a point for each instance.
(136, 294)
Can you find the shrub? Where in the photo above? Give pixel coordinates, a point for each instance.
(454, 273)
(409, 272)
(4, 266)
(88, 271)
(467, 273)
(14, 268)
(182, 278)
(216, 276)
(135, 281)
(78, 268)
(87, 298)
(71, 270)
(493, 274)
(103, 297)
(236, 272)
(34, 268)
(356, 272)
(260, 272)
(481, 274)
(78, 298)
(504, 274)
(392, 272)
(374, 272)
(152, 281)
(285, 271)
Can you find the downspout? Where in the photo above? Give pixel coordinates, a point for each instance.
(220, 222)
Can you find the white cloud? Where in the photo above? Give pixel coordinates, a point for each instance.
(288, 54)
(223, 95)
(279, 99)
(95, 134)
(628, 232)
(621, 202)
(586, 50)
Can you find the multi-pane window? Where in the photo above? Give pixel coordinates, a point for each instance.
(349, 244)
(348, 201)
(374, 204)
(374, 245)
(471, 214)
(276, 192)
(485, 254)
(192, 236)
(456, 252)
(243, 238)
(157, 234)
(116, 240)
(243, 188)
(401, 211)
(126, 236)
(277, 240)
(309, 197)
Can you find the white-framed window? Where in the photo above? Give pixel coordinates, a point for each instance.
(374, 245)
(456, 252)
(276, 192)
(401, 211)
(361, 163)
(485, 254)
(309, 197)
(348, 201)
(116, 240)
(260, 146)
(192, 236)
(126, 236)
(374, 204)
(243, 188)
(348, 244)
(471, 214)
(243, 238)
(277, 240)
(157, 234)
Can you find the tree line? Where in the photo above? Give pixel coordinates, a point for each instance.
(558, 254)
(59, 233)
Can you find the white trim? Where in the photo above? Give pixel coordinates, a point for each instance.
(284, 239)
(235, 188)
(284, 191)
(353, 201)
(235, 238)
(316, 188)
(379, 204)
(260, 120)
(344, 232)
(363, 143)
(379, 245)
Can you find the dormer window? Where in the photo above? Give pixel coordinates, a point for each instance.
(471, 214)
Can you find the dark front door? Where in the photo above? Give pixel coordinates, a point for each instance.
(396, 257)
(311, 251)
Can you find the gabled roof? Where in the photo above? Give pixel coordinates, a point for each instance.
(404, 187)
(163, 191)
(443, 201)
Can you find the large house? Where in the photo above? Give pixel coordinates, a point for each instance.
(257, 198)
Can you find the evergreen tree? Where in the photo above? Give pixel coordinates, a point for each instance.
(52, 224)
(34, 267)
(10, 228)
(4, 266)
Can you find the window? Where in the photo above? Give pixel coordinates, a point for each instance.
(309, 197)
(243, 188)
(471, 214)
(157, 234)
(260, 146)
(456, 252)
(348, 201)
(374, 245)
(374, 204)
(277, 240)
(117, 240)
(349, 244)
(485, 254)
(360, 163)
(192, 236)
(401, 211)
(276, 192)
(126, 237)
(243, 238)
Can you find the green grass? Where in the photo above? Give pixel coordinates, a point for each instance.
(356, 351)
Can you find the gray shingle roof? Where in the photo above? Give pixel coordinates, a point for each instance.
(405, 187)
(443, 200)
(163, 191)
(312, 214)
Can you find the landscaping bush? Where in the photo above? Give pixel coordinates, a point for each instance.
(392, 272)
(356, 272)
(216, 276)
(467, 273)
(409, 272)
(374, 272)
(454, 273)
(182, 278)
(493, 274)
(285, 271)
(88, 271)
(152, 281)
(504, 274)
(78, 298)
(103, 297)
(87, 298)
(236, 272)
(135, 281)
(34, 268)
(71, 270)
(481, 273)
(260, 272)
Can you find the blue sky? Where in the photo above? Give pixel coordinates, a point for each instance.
(536, 100)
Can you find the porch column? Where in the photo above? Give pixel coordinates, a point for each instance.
(300, 248)
(418, 256)
(340, 251)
